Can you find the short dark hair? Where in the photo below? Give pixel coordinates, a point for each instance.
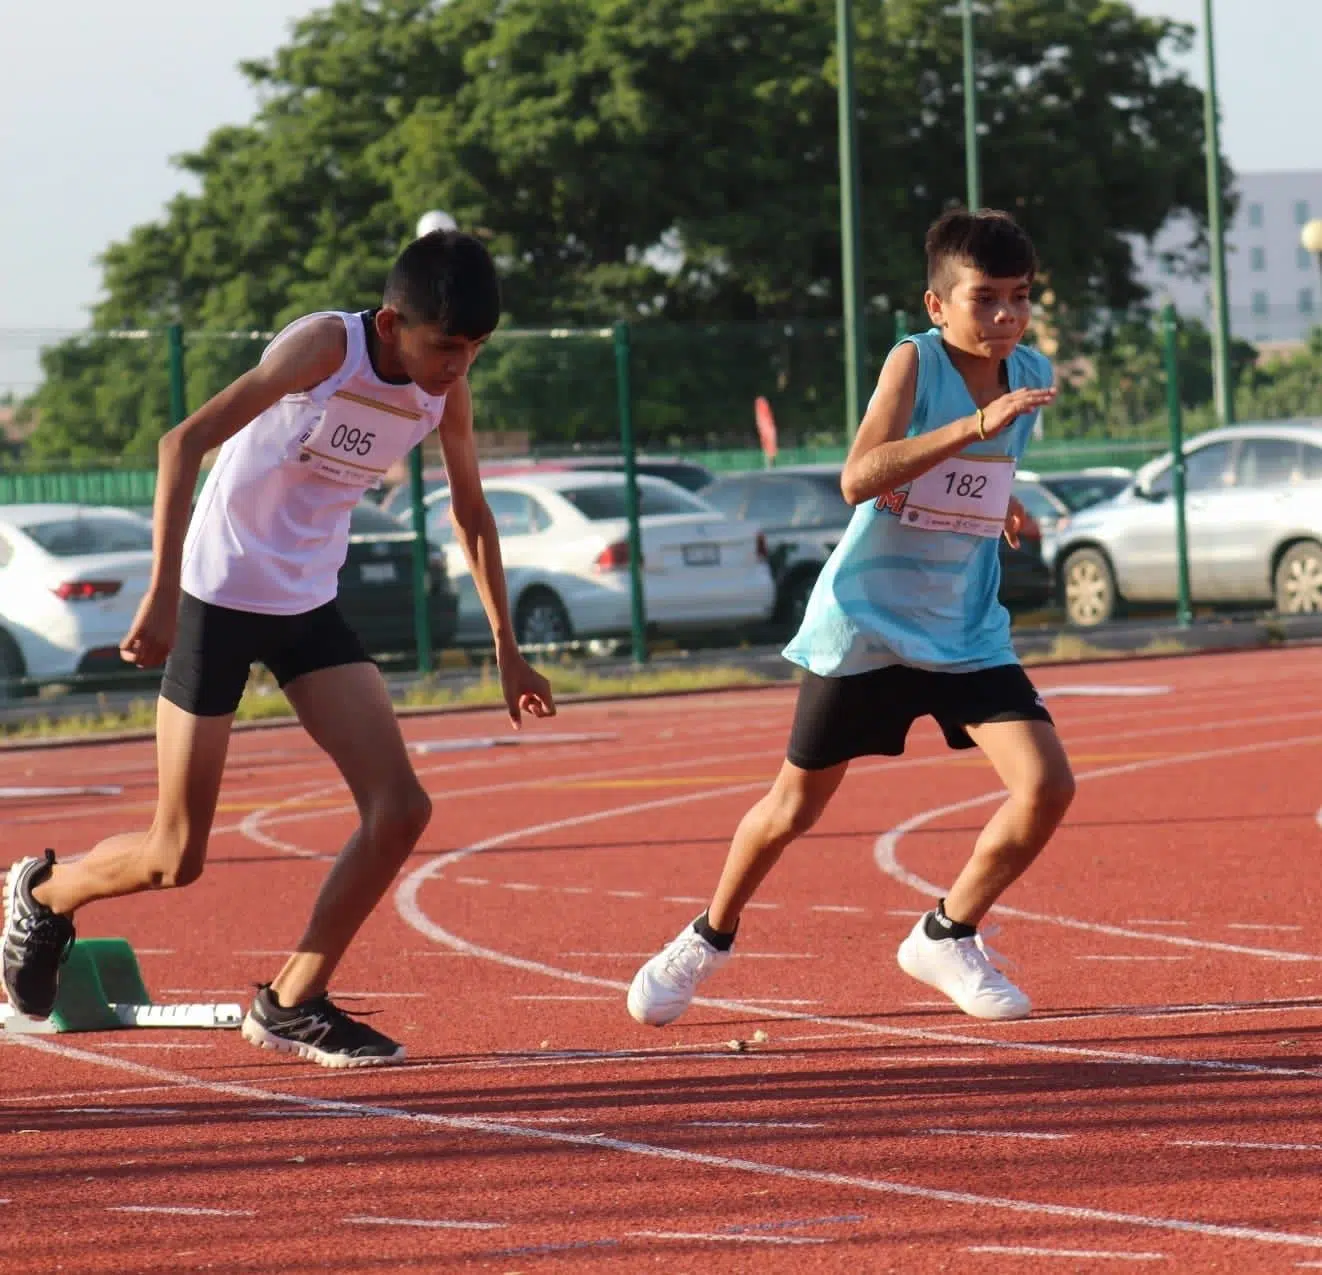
(990, 241)
(446, 277)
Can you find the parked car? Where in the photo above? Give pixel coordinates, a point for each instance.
(1253, 513)
(803, 514)
(376, 585)
(564, 543)
(71, 578)
(1080, 489)
(685, 473)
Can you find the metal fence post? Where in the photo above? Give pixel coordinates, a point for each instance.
(624, 389)
(1183, 611)
(421, 601)
(175, 354)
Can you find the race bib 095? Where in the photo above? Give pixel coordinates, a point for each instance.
(356, 439)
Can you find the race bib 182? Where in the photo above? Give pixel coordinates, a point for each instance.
(357, 439)
(966, 494)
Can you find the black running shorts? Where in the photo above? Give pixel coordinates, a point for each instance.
(215, 648)
(839, 718)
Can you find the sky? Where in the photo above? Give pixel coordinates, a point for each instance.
(97, 97)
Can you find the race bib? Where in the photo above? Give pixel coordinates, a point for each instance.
(356, 439)
(967, 494)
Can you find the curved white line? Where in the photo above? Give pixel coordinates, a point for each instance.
(411, 911)
(884, 853)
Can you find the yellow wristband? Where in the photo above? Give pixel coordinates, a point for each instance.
(982, 433)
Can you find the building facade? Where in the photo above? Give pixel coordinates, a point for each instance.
(1273, 286)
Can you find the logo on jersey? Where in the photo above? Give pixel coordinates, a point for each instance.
(892, 502)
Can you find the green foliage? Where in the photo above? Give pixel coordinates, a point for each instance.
(668, 162)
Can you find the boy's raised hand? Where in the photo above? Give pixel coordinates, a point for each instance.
(1004, 411)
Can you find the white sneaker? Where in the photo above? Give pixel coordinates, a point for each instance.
(662, 990)
(962, 970)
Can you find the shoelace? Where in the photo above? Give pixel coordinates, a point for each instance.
(43, 935)
(998, 961)
(687, 959)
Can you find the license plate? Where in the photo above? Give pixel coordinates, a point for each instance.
(702, 555)
(378, 572)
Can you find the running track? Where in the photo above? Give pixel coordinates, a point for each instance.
(1162, 1109)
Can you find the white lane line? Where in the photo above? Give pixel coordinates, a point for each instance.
(1243, 925)
(151, 1044)
(564, 997)
(430, 1223)
(756, 1124)
(1085, 1254)
(1001, 1133)
(1133, 956)
(1245, 1146)
(108, 1110)
(1153, 921)
(179, 1210)
(472, 881)
(836, 907)
(496, 1128)
(573, 889)
(708, 1237)
(519, 885)
(627, 894)
(682, 898)
(780, 1000)
(884, 852)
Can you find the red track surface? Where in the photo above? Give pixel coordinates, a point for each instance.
(1162, 1107)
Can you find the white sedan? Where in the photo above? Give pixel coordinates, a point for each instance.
(71, 578)
(564, 540)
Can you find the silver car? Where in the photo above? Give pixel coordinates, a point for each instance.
(1253, 512)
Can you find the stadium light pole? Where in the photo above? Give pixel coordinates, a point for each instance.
(1311, 239)
(433, 219)
(973, 176)
(1224, 392)
(851, 268)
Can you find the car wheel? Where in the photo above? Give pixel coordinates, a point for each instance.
(1089, 587)
(793, 599)
(1299, 580)
(12, 668)
(541, 619)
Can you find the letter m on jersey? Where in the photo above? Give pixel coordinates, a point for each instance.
(892, 502)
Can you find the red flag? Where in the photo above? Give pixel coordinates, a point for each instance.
(766, 426)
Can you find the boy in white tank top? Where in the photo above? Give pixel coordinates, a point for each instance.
(335, 401)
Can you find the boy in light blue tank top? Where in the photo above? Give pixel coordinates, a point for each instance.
(905, 622)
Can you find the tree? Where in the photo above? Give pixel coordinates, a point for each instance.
(668, 161)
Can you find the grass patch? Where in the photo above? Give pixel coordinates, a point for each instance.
(1069, 647)
(263, 701)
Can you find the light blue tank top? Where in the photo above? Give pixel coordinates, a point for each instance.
(894, 594)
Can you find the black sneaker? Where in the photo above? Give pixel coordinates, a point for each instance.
(36, 941)
(317, 1030)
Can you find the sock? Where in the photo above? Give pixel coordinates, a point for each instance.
(719, 939)
(939, 926)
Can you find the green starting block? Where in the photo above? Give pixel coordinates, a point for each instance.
(101, 989)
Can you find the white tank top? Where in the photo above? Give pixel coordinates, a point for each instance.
(271, 528)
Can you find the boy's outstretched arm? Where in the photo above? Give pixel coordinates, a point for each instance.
(298, 363)
(524, 688)
(882, 458)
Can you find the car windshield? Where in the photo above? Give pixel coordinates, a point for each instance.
(1036, 500)
(368, 520)
(89, 534)
(602, 502)
(1086, 490)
